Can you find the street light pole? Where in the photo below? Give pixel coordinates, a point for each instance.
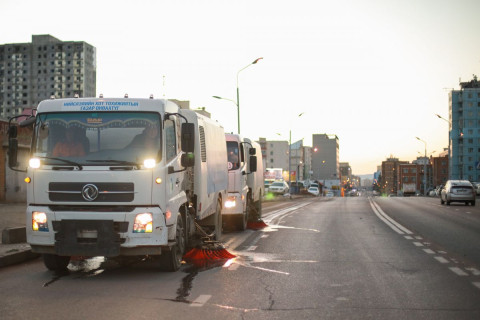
(424, 167)
(237, 103)
(238, 92)
(449, 151)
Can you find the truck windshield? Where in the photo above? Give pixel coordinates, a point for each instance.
(97, 138)
(233, 155)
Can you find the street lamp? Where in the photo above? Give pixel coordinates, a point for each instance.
(237, 103)
(424, 167)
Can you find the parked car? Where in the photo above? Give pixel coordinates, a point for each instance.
(458, 191)
(314, 191)
(476, 186)
(278, 187)
(329, 194)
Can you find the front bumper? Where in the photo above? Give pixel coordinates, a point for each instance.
(96, 233)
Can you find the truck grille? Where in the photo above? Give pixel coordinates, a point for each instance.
(91, 192)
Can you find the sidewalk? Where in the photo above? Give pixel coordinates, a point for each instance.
(13, 246)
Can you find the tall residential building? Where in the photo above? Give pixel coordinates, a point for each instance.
(32, 72)
(325, 157)
(464, 115)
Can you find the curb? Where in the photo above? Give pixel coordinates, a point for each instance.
(15, 254)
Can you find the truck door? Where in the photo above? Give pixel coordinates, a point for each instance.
(172, 154)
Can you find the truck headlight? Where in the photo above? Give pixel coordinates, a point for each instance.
(230, 203)
(39, 221)
(34, 163)
(143, 223)
(149, 163)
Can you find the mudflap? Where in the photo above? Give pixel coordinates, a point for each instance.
(69, 243)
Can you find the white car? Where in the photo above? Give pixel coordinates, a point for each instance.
(314, 191)
(278, 187)
(329, 194)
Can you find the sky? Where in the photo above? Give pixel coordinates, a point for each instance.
(372, 72)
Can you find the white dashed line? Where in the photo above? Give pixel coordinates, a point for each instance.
(201, 300)
(408, 237)
(251, 248)
(458, 271)
(418, 244)
(418, 238)
(441, 259)
(429, 251)
(264, 236)
(474, 271)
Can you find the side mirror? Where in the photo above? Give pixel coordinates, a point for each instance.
(27, 122)
(187, 160)
(12, 152)
(188, 137)
(253, 163)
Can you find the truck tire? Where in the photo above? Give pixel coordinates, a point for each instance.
(218, 221)
(55, 263)
(171, 261)
(241, 219)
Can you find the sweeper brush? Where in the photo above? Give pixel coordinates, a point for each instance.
(256, 225)
(209, 253)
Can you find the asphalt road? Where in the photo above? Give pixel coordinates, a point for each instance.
(337, 258)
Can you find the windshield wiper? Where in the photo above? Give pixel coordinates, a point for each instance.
(73, 163)
(120, 162)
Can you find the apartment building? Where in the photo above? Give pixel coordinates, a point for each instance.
(464, 119)
(32, 72)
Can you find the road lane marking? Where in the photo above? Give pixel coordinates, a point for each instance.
(251, 248)
(458, 271)
(201, 300)
(397, 227)
(474, 271)
(429, 251)
(233, 267)
(408, 237)
(476, 284)
(418, 238)
(418, 244)
(441, 259)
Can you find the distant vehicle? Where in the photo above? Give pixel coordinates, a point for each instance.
(314, 191)
(329, 194)
(279, 187)
(458, 191)
(315, 185)
(409, 189)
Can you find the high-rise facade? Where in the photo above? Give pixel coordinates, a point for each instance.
(46, 67)
(325, 157)
(464, 116)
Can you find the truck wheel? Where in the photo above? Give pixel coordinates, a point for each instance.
(172, 260)
(241, 219)
(218, 221)
(257, 215)
(55, 263)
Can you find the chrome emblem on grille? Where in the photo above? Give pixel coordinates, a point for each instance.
(90, 192)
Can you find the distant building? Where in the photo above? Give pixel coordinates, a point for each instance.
(325, 157)
(464, 116)
(390, 178)
(440, 169)
(32, 72)
(275, 153)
